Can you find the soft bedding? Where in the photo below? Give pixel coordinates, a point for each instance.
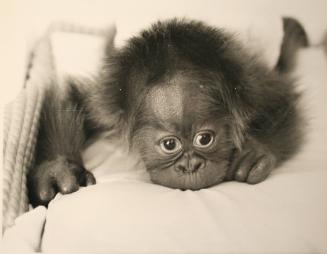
(126, 213)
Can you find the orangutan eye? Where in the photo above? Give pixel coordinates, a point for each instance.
(170, 145)
(203, 139)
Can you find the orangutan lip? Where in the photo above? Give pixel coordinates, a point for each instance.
(185, 173)
(189, 172)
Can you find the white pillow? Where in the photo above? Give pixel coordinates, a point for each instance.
(286, 213)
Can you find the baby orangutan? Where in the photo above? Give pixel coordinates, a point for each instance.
(197, 107)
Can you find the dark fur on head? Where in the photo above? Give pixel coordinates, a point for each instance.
(253, 95)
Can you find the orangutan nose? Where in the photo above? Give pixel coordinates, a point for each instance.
(189, 164)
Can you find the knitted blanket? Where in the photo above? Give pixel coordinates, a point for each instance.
(21, 121)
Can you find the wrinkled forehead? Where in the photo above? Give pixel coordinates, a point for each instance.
(166, 101)
(176, 100)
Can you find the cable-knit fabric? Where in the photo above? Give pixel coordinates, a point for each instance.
(21, 120)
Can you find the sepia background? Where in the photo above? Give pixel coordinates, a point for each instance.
(295, 214)
(23, 22)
